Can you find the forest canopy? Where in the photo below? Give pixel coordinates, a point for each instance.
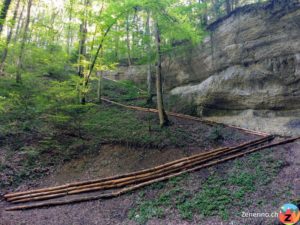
(54, 36)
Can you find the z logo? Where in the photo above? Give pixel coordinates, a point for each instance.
(288, 218)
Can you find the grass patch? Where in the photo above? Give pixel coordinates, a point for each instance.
(146, 210)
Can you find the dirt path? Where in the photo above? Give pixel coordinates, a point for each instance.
(114, 160)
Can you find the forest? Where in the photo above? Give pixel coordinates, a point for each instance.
(112, 111)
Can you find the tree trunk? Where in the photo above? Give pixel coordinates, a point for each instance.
(24, 39)
(92, 45)
(82, 48)
(99, 88)
(117, 43)
(69, 38)
(19, 25)
(8, 39)
(134, 31)
(128, 42)
(82, 41)
(148, 46)
(3, 13)
(163, 118)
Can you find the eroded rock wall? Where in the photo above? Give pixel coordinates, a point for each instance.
(250, 61)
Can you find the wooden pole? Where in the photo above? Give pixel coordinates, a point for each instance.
(143, 184)
(11, 195)
(150, 173)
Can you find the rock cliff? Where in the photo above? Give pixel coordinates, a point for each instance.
(250, 61)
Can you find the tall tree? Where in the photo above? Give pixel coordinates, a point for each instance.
(8, 38)
(134, 31)
(23, 42)
(70, 17)
(19, 24)
(3, 13)
(128, 41)
(117, 42)
(163, 118)
(148, 49)
(82, 39)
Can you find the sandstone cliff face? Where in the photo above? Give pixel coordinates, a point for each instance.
(250, 61)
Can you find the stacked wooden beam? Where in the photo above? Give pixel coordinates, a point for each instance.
(132, 181)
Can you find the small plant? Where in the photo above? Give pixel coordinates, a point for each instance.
(159, 185)
(146, 210)
(243, 179)
(32, 155)
(185, 210)
(216, 134)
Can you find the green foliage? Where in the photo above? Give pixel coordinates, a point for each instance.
(154, 208)
(50, 62)
(32, 155)
(216, 133)
(17, 105)
(147, 210)
(40, 105)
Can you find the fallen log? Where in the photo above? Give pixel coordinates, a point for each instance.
(135, 187)
(15, 197)
(181, 164)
